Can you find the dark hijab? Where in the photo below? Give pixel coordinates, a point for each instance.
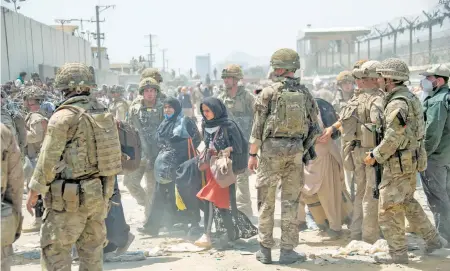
(238, 141)
(165, 129)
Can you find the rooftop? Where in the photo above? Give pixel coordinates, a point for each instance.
(317, 32)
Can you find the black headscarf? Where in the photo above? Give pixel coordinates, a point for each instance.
(165, 129)
(239, 142)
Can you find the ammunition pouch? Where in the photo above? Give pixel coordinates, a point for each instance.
(63, 196)
(11, 224)
(368, 137)
(403, 162)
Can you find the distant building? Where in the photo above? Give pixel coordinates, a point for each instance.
(330, 50)
(203, 65)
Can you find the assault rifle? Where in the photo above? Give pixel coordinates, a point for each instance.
(378, 168)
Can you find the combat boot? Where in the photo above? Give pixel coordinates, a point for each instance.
(264, 255)
(35, 226)
(440, 243)
(290, 256)
(389, 259)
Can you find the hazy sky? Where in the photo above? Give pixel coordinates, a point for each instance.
(188, 28)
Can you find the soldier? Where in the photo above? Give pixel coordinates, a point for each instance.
(12, 191)
(145, 114)
(436, 179)
(344, 91)
(118, 106)
(36, 124)
(240, 103)
(285, 126)
(358, 119)
(402, 154)
(75, 174)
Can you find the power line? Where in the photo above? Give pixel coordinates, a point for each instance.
(151, 57)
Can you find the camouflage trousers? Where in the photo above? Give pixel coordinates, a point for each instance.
(132, 182)
(288, 171)
(365, 207)
(243, 198)
(6, 258)
(85, 228)
(397, 202)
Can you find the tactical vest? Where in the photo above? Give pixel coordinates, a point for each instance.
(95, 145)
(287, 115)
(415, 126)
(150, 119)
(240, 113)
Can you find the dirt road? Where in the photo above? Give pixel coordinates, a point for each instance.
(240, 257)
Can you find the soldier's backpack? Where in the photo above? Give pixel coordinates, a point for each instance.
(130, 144)
(107, 154)
(289, 116)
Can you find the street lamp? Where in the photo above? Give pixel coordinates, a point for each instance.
(15, 3)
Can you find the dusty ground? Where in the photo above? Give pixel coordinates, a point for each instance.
(241, 257)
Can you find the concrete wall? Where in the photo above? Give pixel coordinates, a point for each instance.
(30, 46)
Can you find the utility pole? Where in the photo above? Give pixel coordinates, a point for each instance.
(164, 59)
(150, 56)
(99, 9)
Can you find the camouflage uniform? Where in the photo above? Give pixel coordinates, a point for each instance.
(241, 108)
(363, 110)
(119, 106)
(83, 157)
(402, 155)
(12, 191)
(281, 154)
(36, 125)
(146, 120)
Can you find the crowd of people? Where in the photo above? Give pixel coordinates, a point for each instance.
(348, 156)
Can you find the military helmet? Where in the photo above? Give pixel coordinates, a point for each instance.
(33, 93)
(358, 63)
(153, 73)
(393, 68)
(74, 76)
(232, 70)
(367, 70)
(344, 76)
(117, 89)
(148, 82)
(285, 59)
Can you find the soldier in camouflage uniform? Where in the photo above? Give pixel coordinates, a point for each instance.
(75, 174)
(345, 89)
(358, 119)
(118, 106)
(402, 154)
(36, 124)
(240, 103)
(12, 192)
(285, 127)
(145, 114)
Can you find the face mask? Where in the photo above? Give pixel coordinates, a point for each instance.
(427, 85)
(167, 116)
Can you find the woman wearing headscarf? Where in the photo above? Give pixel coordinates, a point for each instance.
(221, 133)
(172, 136)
